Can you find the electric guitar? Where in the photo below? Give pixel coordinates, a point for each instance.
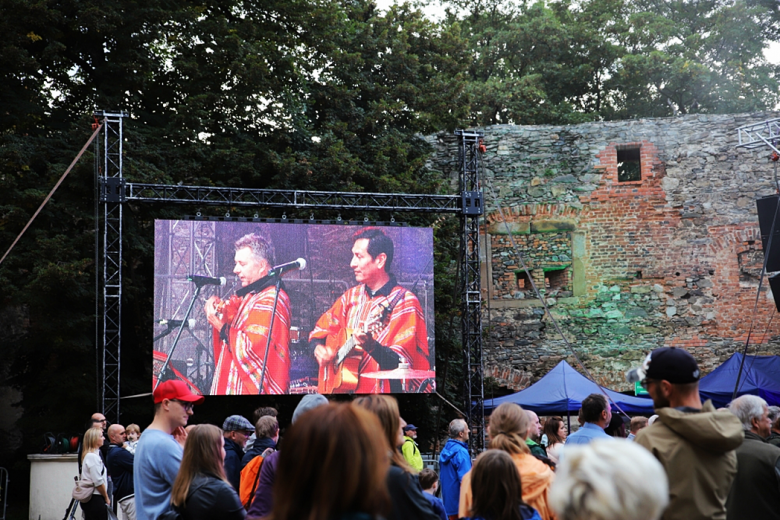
(341, 374)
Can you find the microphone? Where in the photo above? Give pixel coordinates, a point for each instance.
(279, 270)
(189, 324)
(206, 280)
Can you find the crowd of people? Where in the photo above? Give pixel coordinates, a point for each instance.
(360, 460)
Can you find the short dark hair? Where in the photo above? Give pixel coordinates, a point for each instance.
(592, 406)
(428, 478)
(378, 243)
(263, 411)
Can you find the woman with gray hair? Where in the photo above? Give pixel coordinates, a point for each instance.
(609, 480)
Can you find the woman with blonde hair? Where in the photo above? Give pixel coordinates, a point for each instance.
(201, 490)
(93, 469)
(508, 431)
(333, 467)
(406, 494)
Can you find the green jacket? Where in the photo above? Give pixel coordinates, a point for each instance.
(412, 453)
(536, 448)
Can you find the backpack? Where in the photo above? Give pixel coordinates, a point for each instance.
(49, 443)
(249, 478)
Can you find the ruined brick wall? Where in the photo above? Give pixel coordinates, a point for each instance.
(670, 258)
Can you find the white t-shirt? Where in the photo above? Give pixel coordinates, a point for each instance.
(94, 470)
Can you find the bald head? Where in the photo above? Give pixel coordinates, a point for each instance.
(534, 426)
(98, 419)
(116, 434)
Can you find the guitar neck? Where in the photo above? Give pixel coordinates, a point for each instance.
(345, 349)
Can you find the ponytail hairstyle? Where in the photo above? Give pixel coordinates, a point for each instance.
(509, 429)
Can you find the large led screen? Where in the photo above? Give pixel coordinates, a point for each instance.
(283, 308)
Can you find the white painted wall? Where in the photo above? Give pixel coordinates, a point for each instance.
(51, 484)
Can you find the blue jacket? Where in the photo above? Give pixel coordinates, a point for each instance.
(233, 455)
(454, 463)
(119, 462)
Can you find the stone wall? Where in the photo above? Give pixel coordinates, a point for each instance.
(671, 259)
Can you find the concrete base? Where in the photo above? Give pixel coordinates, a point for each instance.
(51, 484)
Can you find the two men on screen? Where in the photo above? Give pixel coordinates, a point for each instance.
(381, 322)
(241, 326)
(379, 319)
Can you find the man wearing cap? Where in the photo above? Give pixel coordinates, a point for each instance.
(237, 430)
(694, 443)
(410, 449)
(158, 453)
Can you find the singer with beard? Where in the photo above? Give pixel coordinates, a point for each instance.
(241, 325)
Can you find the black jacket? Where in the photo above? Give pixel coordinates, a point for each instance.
(233, 454)
(406, 495)
(755, 492)
(258, 448)
(210, 498)
(119, 463)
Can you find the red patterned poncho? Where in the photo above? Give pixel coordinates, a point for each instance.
(239, 362)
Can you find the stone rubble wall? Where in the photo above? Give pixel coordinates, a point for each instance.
(671, 260)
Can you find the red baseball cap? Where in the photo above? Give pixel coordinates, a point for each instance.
(174, 389)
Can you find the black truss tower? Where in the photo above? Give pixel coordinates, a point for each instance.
(114, 192)
(471, 190)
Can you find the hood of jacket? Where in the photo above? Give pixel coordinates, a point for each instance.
(709, 429)
(452, 448)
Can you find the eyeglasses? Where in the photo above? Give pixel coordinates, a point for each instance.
(98, 420)
(186, 405)
(644, 382)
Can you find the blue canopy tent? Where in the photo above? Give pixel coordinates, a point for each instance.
(562, 390)
(760, 376)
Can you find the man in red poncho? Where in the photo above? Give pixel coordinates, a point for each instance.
(379, 321)
(242, 323)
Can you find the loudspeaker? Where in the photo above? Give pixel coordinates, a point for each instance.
(766, 214)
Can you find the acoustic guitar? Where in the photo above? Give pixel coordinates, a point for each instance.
(341, 374)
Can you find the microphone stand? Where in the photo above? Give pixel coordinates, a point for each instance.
(270, 331)
(195, 295)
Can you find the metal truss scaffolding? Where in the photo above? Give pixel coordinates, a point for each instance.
(114, 192)
(469, 156)
(110, 175)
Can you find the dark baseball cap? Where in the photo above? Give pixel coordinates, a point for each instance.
(671, 364)
(409, 427)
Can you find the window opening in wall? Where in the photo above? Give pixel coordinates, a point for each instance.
(556, 280)
(523, 281)
(629, 165)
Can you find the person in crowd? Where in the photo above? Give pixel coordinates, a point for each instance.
(201, 490)
(617, 426)
(609, 480)
(406, 495)
(410, 449)
(267, 430)
(256, 415)
(534, 430)
(508, 429)
(159, 451)
(133, 434)
(774, 418)
(119, 462)
(755, 492)
(242, 324)
(377, 303)
(693, 442)
(555, 429)
(497, 489)
(237, 430)
(637, 423)
(652, 419)
(263, 502)
(98, 420)
(454, 463)
(334, 467)
(93, 469)
(429, 482)
(596, 415)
